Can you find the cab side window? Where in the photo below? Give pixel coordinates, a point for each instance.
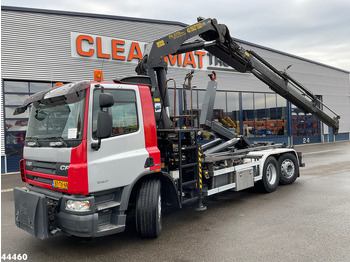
(124, 112)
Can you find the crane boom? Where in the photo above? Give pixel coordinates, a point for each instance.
(218, 42)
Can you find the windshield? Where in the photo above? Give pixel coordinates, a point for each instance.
(58, 119)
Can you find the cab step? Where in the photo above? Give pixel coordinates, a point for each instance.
(108, 227)
(107, 205)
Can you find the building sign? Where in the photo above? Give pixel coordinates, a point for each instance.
(128, 51)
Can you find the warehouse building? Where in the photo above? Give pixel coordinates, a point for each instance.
(42, 47)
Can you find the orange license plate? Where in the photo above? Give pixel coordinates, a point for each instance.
(60, 184)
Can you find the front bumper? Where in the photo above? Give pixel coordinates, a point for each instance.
(44, 215)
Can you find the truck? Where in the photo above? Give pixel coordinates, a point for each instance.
(96, 150)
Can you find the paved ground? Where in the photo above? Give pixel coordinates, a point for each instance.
(306, 221)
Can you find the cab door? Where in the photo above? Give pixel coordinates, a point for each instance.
(122, 156)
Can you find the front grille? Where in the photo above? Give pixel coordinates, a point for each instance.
(40, 179)
(50, 168)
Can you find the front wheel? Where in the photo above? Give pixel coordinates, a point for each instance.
(270, 177)
(149, 209)
(289, 169)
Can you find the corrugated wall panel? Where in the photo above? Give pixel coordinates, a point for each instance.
(40, 47)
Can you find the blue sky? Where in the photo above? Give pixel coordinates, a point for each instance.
(313, 29)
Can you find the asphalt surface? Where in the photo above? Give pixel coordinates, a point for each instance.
(306, 221)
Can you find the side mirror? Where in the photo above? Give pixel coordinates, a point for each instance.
(39, 115)
(20, 110)
(104, 124)
(106, 100)
(104, 119)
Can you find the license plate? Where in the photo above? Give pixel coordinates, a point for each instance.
(60, 184)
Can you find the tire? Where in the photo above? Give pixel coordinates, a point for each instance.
(289, 169)
(149, 209)
(270, 177)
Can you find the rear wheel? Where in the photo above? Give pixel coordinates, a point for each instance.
(270, 177)
(289, 169)
(149, 209)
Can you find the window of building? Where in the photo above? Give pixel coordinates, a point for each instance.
(233, 111)
(272, 122)
(260, 121)
(35, 87)
(16, 87)
(15, 93)
(220, 107)
(304, 124)
(282, 124)
(10, 110)
(15, 126)
(248, 114)
(15, 99)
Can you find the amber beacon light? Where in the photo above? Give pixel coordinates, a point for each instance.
(98, 76)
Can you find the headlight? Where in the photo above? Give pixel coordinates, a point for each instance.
(74, 205)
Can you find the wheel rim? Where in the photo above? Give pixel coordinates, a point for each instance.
(287, 168)
(271, 174)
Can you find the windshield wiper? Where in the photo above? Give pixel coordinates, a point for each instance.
(34, 142)
(59, 143)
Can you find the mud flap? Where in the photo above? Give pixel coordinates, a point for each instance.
(31, 213)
